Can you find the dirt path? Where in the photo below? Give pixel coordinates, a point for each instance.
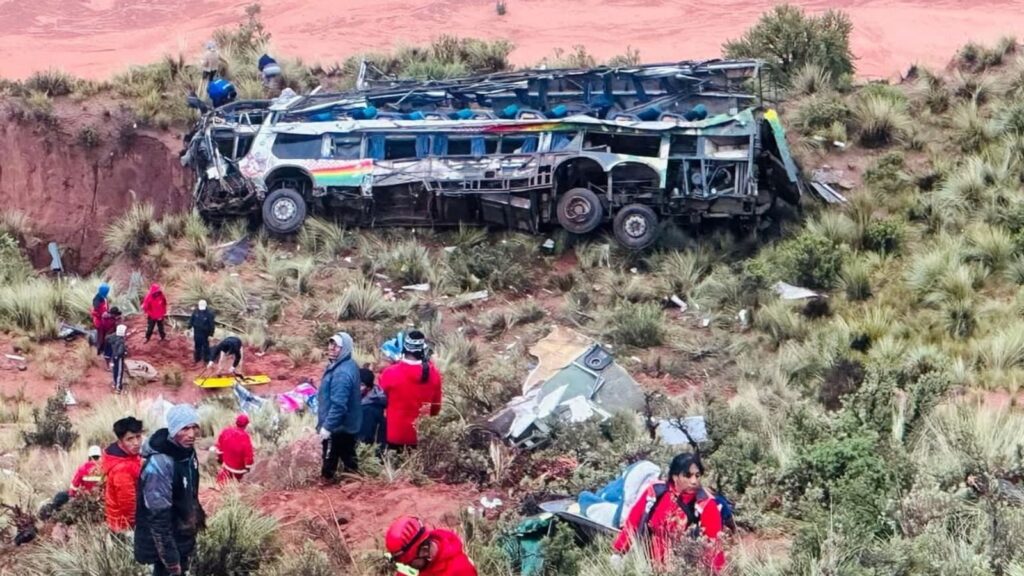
(94, 38)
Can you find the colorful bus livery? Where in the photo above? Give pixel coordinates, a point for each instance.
(699, 157)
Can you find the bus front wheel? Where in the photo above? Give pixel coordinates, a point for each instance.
(284, 211)
(636, 226)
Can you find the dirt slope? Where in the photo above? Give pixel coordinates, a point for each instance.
(94, 38)
(71, 192)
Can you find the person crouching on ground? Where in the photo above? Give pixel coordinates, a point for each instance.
(168, 515)
(86, 477)
(413, 388)
(667, 512)
(155, 307)
(373, 430)
(230, 346)
(339, 413)
(121, 466)
(432, 552)
(234, 451)
(118, 350)
(202, 323)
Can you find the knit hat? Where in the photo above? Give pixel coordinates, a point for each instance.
(121, 330)
(179, 417)
(242, 421)
(94, 451)
(201, 305)
(414, 341)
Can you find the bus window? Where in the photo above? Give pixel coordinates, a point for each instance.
(624, 144)
(518, 144)
(396, 148)
(561, 140)
(458, 146)
(346, 146)
(297, 146)
(491, 144)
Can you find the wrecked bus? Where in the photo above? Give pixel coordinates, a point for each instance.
(579, 149)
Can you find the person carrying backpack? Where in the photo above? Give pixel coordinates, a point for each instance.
(413, 389)
(118, 351)
(677, 508)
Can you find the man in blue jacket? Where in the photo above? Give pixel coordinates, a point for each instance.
(168, 515)
(339, 410)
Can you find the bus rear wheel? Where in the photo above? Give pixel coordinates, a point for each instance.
(580, 211)
(636, 226)
(284, 211)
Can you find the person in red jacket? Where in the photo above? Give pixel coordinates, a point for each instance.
(100, 305)
(234, 451)
(121, 466)
(155, 307)
(433, 552)
(86, 478)
(413, 388)
(669, 511)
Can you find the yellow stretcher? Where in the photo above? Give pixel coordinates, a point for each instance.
(228, 381)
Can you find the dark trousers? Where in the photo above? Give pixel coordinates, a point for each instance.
(160, 570)
(340, 446)
(117, 369)
(159, 324)
(202, 349)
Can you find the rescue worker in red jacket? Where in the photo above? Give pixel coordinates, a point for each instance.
(100, 305)
(121, 466)
(86, 478)
(234, 451)
(433, 552)
(155, 307)
(413, 388)
(669, 511)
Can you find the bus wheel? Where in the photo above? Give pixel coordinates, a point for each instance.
(636, 226)
(284, 210)
(580, 211)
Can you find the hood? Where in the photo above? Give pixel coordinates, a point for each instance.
(376, 396)
(160, 443)
(154, 289)
(103, 290)
(114, 456)
(448, 544)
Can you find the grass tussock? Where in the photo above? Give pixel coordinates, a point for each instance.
(133, 232)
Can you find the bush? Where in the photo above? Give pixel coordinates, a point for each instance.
(87, 552)
(324, 238)
(787, 39)
(14, 267)
(237, 541)
(639, 325)
(807, 260)
(884, 236)
(880, 120)
(888, 174)
(504, 265)
(820, 112)
(52, 426)
(53, 83)
(855, 279)
(133, 232)
(308, 562)
(88, 137)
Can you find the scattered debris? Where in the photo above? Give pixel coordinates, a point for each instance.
(425, 287)
(790, 292)
(679, 302)
(141, 370)
(467, 299)
(69, 399)
(744, 318)
(15, 357)
(686, 431)
(234, 253)
(827, 193)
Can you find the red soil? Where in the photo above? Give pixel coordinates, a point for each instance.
(95, 38)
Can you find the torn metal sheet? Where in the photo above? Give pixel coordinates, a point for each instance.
(827, 193)
(141, 370)
(790, 292)
(680, 432)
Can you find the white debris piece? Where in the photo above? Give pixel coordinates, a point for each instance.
(790, 292)
(425, 287)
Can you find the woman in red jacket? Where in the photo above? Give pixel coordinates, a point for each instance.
(413, 389)
(669, 511)
(155, 307)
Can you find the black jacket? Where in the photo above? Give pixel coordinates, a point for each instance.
(168, 516)
(118, 347)
(203, 322)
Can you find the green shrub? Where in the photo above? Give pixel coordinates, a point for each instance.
(133, 232)
(788, 39)
(52, 426)
(639, 325)
(806, 260)
(503, 265)
(810, 79)
(53, 83)
(88, 551)
(855, 279)
(888, 173)
(237, 541)
(880, 120)
(14, 267)
(884, 236)
(324, 238)
(307, 562)
(820, 112)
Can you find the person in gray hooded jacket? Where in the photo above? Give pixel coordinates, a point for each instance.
(168, 515)
(339, 411)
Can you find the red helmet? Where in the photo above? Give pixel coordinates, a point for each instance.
(404, 537)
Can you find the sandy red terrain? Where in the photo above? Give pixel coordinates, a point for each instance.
(94, 38)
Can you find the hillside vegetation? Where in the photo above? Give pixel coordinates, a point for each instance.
(844, 429)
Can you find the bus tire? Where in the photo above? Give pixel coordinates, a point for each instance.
(284, 211)
(579, 211)
(636, 226)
